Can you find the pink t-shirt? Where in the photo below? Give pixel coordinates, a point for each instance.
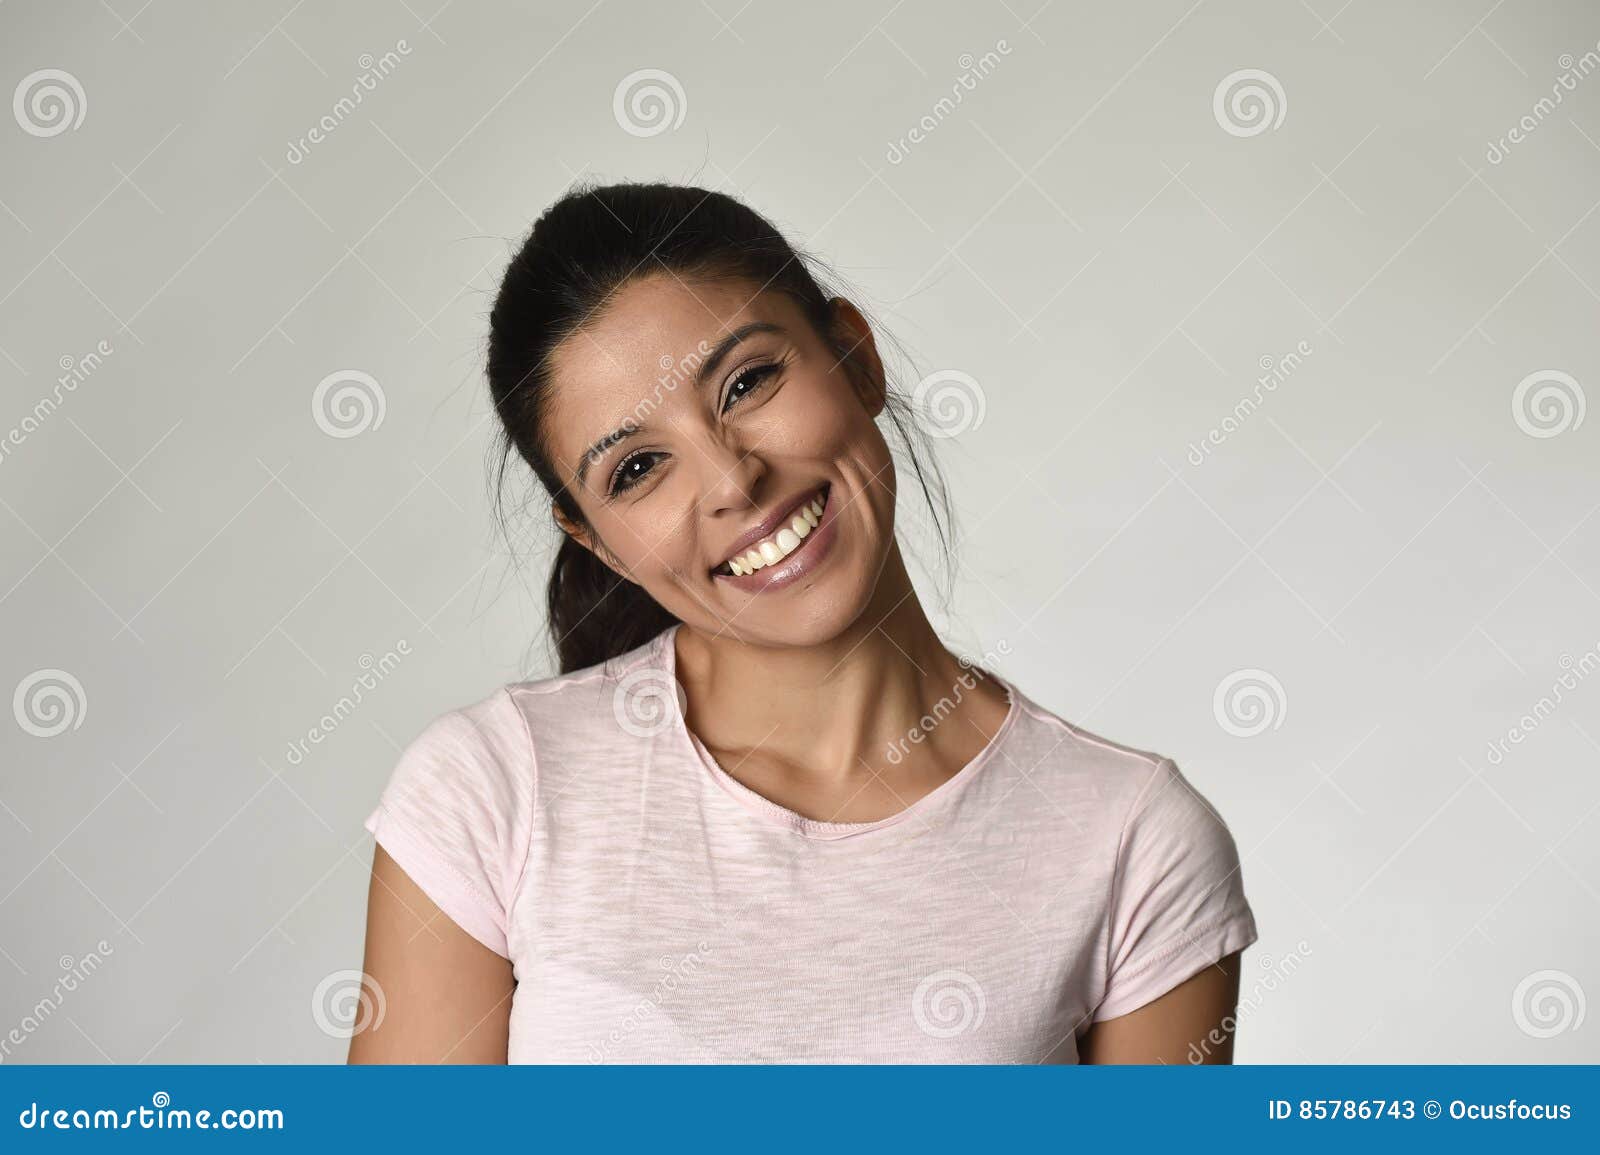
(656, 910)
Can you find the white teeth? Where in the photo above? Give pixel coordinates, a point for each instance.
(781, 544)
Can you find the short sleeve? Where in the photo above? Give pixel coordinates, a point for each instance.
(1178, 901)
(456, 814)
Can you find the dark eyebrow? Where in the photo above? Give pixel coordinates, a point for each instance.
(707, 368)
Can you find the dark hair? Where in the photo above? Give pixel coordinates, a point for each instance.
(585, 248)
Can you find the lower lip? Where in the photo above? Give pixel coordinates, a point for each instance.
(812, 551)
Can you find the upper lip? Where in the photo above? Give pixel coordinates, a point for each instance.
(769, 525)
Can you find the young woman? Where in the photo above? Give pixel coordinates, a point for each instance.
(763, 814)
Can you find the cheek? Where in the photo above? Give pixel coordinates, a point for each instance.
(646, 540)
(832, 427)
(828, 426)
(819, 420)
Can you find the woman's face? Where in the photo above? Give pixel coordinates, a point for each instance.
(696, 424)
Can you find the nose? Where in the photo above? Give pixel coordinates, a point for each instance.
(732, 472)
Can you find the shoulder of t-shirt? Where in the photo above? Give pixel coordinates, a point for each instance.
(1121, 775)
(460, 803)
(580, 704)
(514, 727)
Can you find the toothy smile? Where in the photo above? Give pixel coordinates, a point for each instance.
(781, 543)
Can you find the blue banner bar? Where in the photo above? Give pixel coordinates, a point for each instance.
(800, 1108)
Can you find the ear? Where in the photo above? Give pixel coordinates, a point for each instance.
(584, 537)
(864, 365)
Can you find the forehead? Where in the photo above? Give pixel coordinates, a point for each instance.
(654, 329)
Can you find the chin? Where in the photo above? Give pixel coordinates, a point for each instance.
(811, 612)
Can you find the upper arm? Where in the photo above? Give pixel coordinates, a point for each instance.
(1192, 1023)
(1177, 922)
(452, 831)
(438, 994)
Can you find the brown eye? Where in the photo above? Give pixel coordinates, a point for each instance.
(626, 477)
(752, 378)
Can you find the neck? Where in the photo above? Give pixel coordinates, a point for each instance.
(835, 708)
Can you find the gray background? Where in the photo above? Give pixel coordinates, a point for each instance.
(1080, 236)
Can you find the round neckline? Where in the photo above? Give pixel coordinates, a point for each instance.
(665, 658)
